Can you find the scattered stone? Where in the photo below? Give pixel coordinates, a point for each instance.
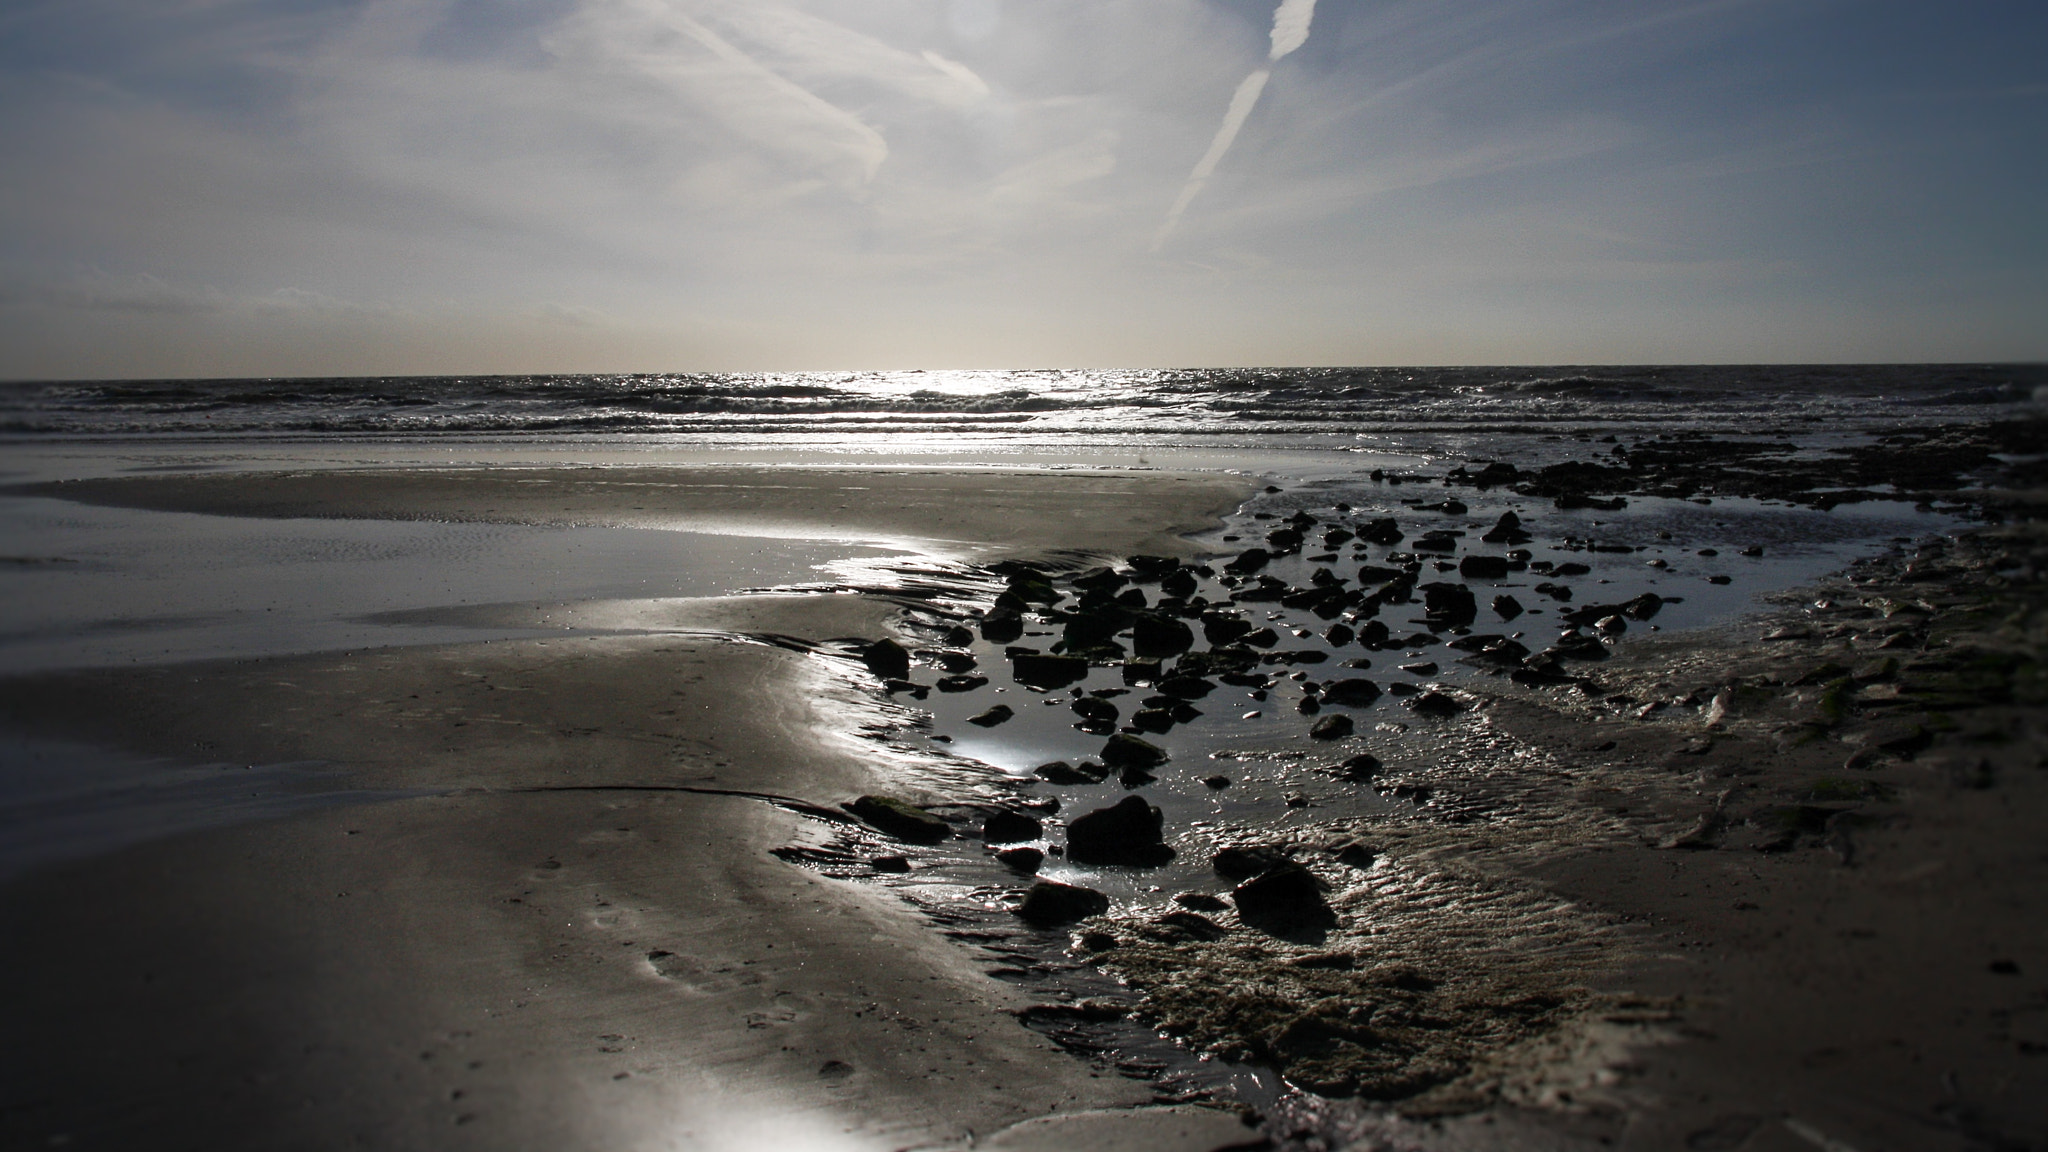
(1874, 670)
(1283, 900)
(1061, 772)
(1025, 860)
(1354, 854)
(887, 659)
(1425, 668)
(1483, 568)
(1127, 751)
(1508, 529)
(1049, 902)
(1201, 901)
(1156, 635)
(1042, 671)
(900, 819)
(1157, 721)
(1335, 726)
(1360, 768)
(1447, 605)
(967, 683)
(1002, 626)
(1006, 827)
(1338, 635)
(1218, 782)
(892, 864)
(1127, 832)
(1248, 561)
(1351, 692)
(1240, 861)
(992, 717)
(1436, 704)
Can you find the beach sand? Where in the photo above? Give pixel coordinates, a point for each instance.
(1702, 928)
(485, 966)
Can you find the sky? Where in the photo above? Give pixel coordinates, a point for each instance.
(353, 187)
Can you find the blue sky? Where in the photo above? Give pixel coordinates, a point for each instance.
(370, 186)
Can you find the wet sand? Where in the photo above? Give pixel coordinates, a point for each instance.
(1667, 903)
(530, 957)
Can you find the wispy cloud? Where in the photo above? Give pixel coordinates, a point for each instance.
(1290, 31)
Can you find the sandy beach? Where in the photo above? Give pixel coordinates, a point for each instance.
(488, 965)
(619, 902)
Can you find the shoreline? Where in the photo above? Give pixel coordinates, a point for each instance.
(1580, 1077)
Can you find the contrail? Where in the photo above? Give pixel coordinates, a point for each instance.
(1290, 31)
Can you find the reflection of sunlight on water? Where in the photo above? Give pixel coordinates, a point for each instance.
(740, 1128)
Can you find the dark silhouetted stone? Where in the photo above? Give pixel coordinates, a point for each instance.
(992, 717)
(1143, 670)
(1361, 767)
(894, 864)
(1042, 671)
(1061, 772)
(1186, 687)
(1049, 902)
(1483, 567)
(1243, 860)
(1248, 561)
(967, 683)
(1352, 692)
(900, 819)
(1436, 704)
(1449, 605)
(1002, 627)
(1009, 827)
(1155, 635)
(887, 659)
(1506, 607)
(1283, 899)
(1127, 751)
(1127, 832)
(1508, 529)
(1025, 860)
(1335, 726)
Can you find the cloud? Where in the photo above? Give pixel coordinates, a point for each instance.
(1290, 26)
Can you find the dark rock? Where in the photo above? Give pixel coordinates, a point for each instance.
(1154, 720)
(1570, 568)
(1335, 726)
(1095, 708)
(1643, 607)
(1506, 607)
(1753, 550)
(1127, 832)
(992, 717)
(1310, 705)
(1126, 751)
(1218, 782)
(1374, 634)
(1153, 567)
(1155, 635)
(900, 819)
(887, 659)
(959, 637)
(1186, 687)
(1483, 567)
(1041, 671)
(1436, 704)
(1282, 900)
(1579, 646)
(1050, 902)
(1143, 670)
(1026, 860)
(1099, 579)
(1284, 539)
(894, 864)
(966, 683)
(1338, 635)
(1449, 605)
(1354, 853)
(1352, 692)
(1061, 772)
(1507, 530)
(1201, 901)
(1262, 638)
(1359, 768)
(1248, 561)
(1222, 628)
(1002, 627)
(948, 660)
(1421, 668)
(1382, 530)
(1437, 541)
(1006, 827)
(1240, 861)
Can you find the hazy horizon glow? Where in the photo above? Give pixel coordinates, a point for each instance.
(341, 187)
